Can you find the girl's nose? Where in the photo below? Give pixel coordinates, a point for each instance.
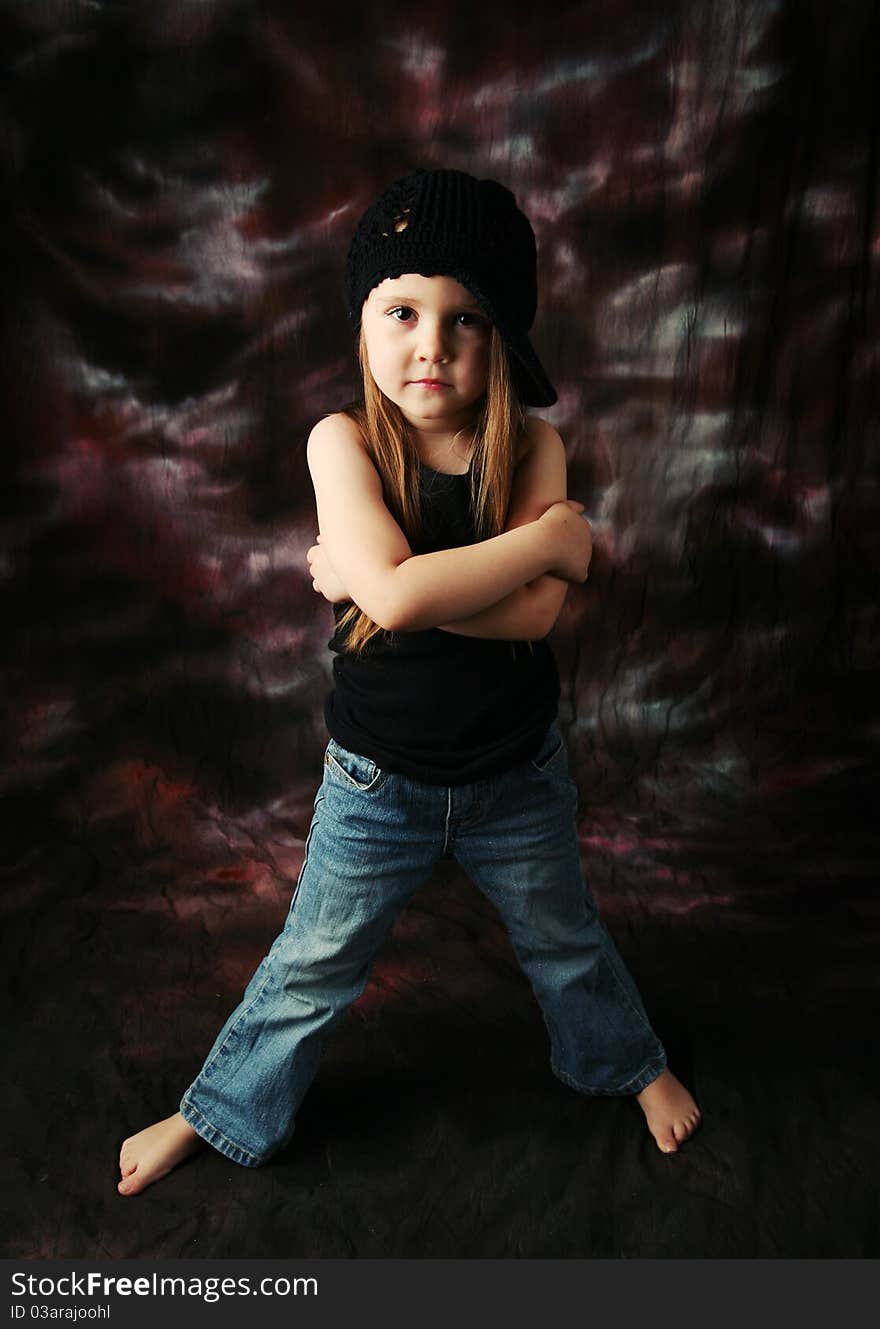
(432, 342)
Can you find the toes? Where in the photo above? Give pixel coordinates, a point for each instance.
(667, 1144)
(684, 1129)
(127, 1159)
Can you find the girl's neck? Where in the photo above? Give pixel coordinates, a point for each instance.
(445, 451)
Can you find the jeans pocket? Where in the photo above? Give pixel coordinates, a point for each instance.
(551, 749)
(353, 769)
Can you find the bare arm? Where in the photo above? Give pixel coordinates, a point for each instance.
(530, 611)
(397, 589)
(527, 614)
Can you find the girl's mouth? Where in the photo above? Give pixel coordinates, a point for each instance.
(429, 383)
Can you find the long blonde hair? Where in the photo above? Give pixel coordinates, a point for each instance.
(499, 427)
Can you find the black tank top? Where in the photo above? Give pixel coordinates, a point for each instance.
(433, 705)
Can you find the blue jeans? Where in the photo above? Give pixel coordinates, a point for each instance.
(375, 837)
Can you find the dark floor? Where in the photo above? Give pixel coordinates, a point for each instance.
(435, 1127)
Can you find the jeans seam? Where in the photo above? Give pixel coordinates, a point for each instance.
(319, 798)
(623, 989)
(448, 833)
(243, 1011)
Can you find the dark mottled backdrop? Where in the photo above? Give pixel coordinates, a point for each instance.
(180, 181)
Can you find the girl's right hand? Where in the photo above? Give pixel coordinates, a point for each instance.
(325, 579)
(572, 539)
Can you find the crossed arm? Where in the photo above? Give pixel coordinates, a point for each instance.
(526, 614)
(489, 590)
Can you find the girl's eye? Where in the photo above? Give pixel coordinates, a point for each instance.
(404, 312)
(469, 320)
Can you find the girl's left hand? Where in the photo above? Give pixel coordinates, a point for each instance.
(324, 579)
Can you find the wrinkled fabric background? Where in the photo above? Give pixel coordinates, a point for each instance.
(180, 184)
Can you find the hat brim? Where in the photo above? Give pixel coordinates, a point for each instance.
(532, 384)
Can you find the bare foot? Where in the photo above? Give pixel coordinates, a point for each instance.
(153, 1152)
(670, 1111)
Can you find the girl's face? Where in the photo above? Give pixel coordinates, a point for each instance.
(427, 343)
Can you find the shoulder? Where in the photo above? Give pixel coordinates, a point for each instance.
(336, 446)
(537, 428)
(540, 438)
(332, 428)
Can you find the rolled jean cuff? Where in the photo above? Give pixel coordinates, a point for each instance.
(634, 1085)
(211, 1135)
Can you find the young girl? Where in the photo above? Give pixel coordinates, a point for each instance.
(446, 545)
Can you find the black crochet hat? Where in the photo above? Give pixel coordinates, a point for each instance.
(449, 224)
